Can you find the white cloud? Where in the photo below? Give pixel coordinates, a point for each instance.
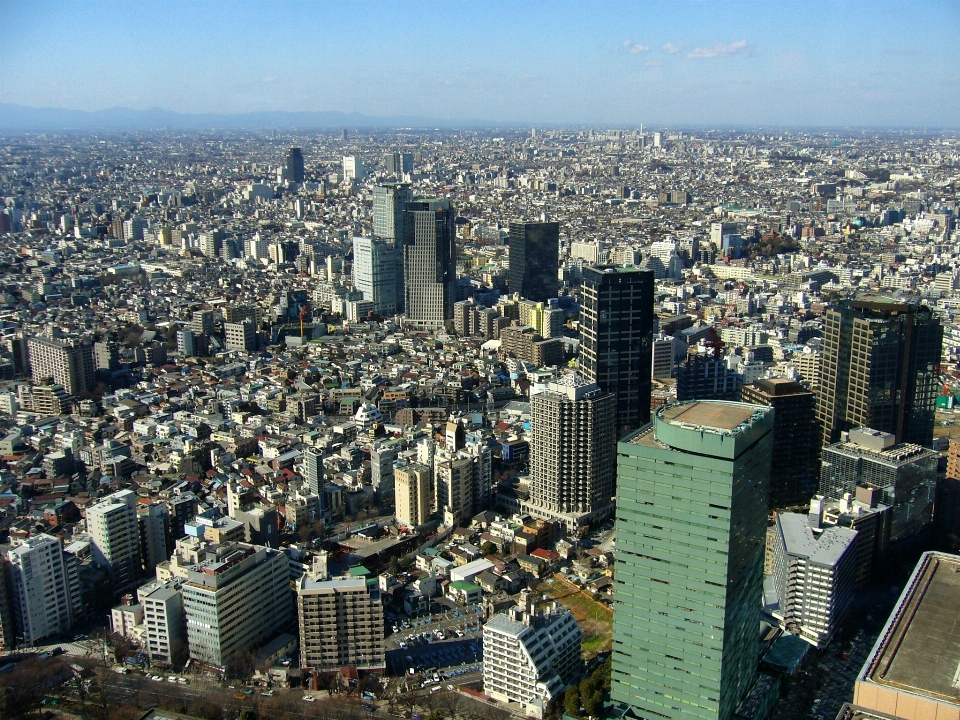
(635, 48)
(738, 47)
(673, 48)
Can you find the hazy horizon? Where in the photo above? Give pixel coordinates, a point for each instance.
(819, 64)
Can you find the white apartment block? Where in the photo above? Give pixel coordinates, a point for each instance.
(115, 538)
(165, 634)
(530, 659)
(814, 574)
(341, 624)
(454, 484)
(67, 363)
(237, 597)
(41, 589)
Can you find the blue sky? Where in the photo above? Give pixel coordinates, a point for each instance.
(711, 62)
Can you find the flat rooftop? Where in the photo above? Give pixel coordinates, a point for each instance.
(719, 415)
(920, 649)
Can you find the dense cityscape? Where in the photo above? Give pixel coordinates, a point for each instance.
(552, 423)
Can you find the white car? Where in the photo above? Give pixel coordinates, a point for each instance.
(309, 698)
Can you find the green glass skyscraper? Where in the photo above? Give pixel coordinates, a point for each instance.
(691, 521)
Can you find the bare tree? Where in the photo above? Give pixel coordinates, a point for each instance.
(448, 703)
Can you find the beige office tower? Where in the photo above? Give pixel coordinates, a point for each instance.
(341, 624)
(412, 494)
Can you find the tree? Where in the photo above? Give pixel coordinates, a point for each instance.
(122, 647)
(449, 703)
(488, 548)
(571, 701)
(593, 703)
(242, 664)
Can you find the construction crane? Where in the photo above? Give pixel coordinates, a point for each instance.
(303, 313)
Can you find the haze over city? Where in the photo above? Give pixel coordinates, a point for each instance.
(790, 64)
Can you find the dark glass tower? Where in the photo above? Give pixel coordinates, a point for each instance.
(879, 369)
(534, 253)
(295, 164)
(616, 337)
(795, 463)
(429, 263)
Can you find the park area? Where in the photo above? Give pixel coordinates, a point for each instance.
(595, 618)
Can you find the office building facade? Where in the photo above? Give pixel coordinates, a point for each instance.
(572, 453)
(705, 375)
(795, 467)
(186, 343)
(313, 474)
(691, 524)
(399, 164)
(237, 597)
(154, 521)
(879, 370)
(389, 202)
(353, 168)
(429, 264)
(616, 339)
(534, 259)
(341, 624)
(375, 273)
(904, 474)
(240, 336)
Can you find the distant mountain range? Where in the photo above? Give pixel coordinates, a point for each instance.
(22, 117)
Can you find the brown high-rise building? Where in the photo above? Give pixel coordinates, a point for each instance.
(946, 519)
(341, 624)
(879, 369)
(795, 469)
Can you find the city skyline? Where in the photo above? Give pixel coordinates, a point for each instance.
(823, 64)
